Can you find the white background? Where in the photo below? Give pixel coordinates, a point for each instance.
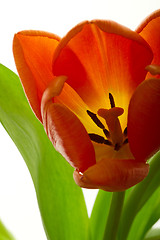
(18, 204)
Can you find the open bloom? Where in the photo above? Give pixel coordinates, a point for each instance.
(90, 92)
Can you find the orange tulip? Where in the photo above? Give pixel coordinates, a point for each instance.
(90, 92)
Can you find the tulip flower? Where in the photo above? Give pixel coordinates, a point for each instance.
(96, 96)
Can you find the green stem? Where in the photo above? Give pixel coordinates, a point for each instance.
(114, 216)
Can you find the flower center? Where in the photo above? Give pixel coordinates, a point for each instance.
(114, 135)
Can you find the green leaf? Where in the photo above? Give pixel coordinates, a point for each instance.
(139, 195)
(99, 214)
(4, 233)
(61, 201)
(153, 234)
(146, 218)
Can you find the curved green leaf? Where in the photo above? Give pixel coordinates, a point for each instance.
(139, 195)
(4, 233)
(146, 218)
(61, 202)
(153, 234)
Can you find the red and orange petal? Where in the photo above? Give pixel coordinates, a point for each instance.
(33, 53)
(144, 120)
(69, 136)
(112, 174)
(101, 57)
(150, 31)
(53, 89)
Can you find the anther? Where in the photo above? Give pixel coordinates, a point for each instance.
(125, 141)
(95, 119)
(107, 142)
(96, 138)
(125, 132)
(117, 147)
(112, 102)
(106, 132)
(99, 139)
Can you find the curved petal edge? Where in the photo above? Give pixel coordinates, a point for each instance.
(112, 175)
(144, 120)
(68, 136)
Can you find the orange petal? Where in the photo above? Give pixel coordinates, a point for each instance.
(150, 31)
(144, 120)
(153, 69)
(112, 175)
(101, 57)
(72, 100)
(68, 136)
(33, 53)
(53, 89)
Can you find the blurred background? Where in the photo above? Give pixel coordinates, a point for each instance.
(18, 205)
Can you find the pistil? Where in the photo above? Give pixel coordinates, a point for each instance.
(116, 137)
(113, 123)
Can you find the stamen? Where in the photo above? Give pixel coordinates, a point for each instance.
(107, 142)
(112, 102)
(96, 138)
(115, 134)
(99, 139)
(106, 132)
(125, 132)
(113, 123)
(117, 147)
(95, 119)
(125, 141)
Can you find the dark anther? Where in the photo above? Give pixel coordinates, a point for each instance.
(99, 139)
(106, 132)
(96, 138)
(117, 147)
(125, 141)
(111, 100)
(95, 119)
(125, 132)
(107, 142)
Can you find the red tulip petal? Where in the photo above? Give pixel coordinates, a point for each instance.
(53, 89)
(150, 31)
(144, 120)
(99, 57)
(33, 53)
(112, 175)
(67, 133)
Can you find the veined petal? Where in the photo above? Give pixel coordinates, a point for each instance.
(68, 136)
(112, 175)
(33, 53)
(73, 101)
(150, 31)
(144, 120)
(101, 57)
